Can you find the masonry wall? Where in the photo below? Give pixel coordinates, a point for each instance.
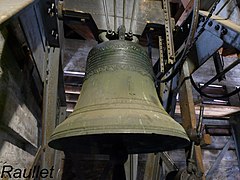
(20, 105)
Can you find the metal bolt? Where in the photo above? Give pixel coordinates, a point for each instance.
(202, 19)
(51, 10)
(217, 27)
(54, 34)
(210, 23)
(224, 31)
(130, 34)
(109, 32)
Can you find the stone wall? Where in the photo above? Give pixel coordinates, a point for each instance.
(20, 110)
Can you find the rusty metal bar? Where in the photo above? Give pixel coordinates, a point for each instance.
(185, 3)
(186, 13)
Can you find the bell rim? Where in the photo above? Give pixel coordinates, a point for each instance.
(89, 148)
(127, 123)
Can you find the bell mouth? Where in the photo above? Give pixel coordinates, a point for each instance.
(138, 130)
(134, 143)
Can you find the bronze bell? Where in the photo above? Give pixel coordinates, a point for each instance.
(118, 107)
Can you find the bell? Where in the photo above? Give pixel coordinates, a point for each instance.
(118, 107)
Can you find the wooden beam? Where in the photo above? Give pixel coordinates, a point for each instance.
(11, 8)
(50, 96)
(213, 111)
(188, 112)
(152, 164)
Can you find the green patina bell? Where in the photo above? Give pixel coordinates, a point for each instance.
(118, 107)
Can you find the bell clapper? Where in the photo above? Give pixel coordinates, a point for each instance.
(118, 158)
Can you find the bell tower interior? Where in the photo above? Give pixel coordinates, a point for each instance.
(120, 90)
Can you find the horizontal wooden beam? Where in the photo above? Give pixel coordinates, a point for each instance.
(10, 8)
(213, 111)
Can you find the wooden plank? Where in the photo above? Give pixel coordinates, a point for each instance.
(224, 22)
(213, 111)
(10, 8)
(186, 100)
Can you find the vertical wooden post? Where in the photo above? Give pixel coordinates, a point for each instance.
(131, 167)
(50, 95)
(149, 167)
(188, 110)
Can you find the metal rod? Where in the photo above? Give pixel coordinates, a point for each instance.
(220, 74)
(168, 161)
(218, 64)
(131, 166)
(218, 160)
(106, 15)
(199, 127)
(124, 4)
(133, 15)
(149, 45)
(192, 150)
(115, 15)
(223, 6)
